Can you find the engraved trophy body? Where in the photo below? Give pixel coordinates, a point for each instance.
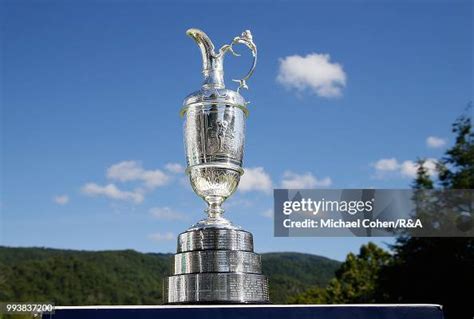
(215, 262)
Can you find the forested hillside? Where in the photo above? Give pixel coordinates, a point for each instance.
(71, 277)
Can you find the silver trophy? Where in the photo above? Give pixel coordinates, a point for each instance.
(215, 262)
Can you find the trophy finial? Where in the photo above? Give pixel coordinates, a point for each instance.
(212, 62)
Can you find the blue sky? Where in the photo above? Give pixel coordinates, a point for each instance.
(345, 95)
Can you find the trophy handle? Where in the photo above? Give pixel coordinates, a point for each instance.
(246, 39)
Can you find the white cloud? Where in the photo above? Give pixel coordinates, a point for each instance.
(410, 168)
(255, 179)
(430, 165)
(314, 72)
(133, 171)
(307, 180)
(175, 168)
(61, 199)
(112, 191)
(386, 164)
(406, 168)
(435, 142)
(166, 213)
(162, 236)
(268, 213)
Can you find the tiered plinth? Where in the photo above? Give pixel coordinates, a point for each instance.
(216, 265)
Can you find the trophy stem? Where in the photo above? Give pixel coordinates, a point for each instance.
(214, 217)
(214, 209)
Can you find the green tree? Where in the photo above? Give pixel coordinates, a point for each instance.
(423, 179)
(456, 169)
(355, 280)
(437, 270)
(421, 270)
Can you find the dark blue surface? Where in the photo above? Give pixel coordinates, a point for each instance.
(284, 312)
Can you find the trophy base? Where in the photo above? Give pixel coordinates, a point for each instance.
(216, 266)
(217, 288)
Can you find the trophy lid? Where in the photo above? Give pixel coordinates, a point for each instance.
(213, 89)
